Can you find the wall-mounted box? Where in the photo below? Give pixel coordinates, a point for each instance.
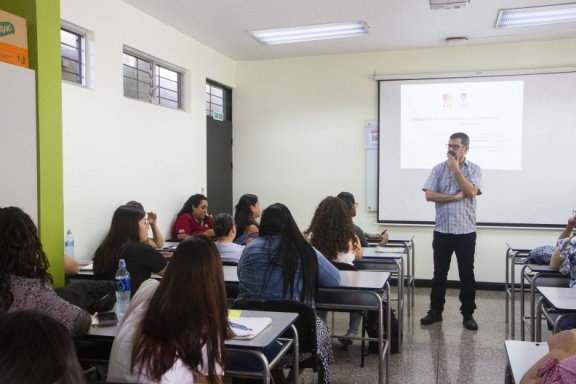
(13, 39)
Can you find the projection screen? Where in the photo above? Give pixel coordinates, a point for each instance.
(522, 128)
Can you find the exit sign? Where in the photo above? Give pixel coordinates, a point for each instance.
(218, 116)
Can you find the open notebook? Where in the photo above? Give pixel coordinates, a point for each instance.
(248, 327)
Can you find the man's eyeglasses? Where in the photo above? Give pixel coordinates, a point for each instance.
(454, 146)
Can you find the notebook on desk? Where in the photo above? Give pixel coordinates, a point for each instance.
(248, 327)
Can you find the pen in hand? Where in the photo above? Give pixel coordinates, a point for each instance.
(239, 326)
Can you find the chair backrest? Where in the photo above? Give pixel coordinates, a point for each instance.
(344, 266)
(227, 262)
(305, 324)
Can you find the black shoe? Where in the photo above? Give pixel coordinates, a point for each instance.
(431, 318)
(470, 323)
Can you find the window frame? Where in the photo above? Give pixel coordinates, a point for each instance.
(82, 51)
(154, 90)
(226, 100)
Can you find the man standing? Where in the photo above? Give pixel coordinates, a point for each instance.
(453, 186)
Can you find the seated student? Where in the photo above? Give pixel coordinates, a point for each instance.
(174, 330)
(331, 232)
(157, 240)
(37, 349)
(348, 198)
(247, 211)
(193, 218)
(558, 366)
(25, 283)
(126, 239)
(564, 257)
(282, 265)
(225, 231)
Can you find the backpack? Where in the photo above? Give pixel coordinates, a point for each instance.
(91, 295)
(541, 255)
(371, 327)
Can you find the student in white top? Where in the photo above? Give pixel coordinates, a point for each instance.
(160, 340)
(225, 231)
(332, 233)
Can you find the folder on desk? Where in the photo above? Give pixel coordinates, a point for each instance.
(248, 327)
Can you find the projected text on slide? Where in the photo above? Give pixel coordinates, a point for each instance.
(489, 112)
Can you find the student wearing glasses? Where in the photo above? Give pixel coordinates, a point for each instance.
(157, 240)
(126, 239)
(453, 186)
(352, 205)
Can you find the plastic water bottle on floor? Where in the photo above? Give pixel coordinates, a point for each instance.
(122, 289)
(69, 244)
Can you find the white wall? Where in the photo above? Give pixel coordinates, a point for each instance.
(18, 169)
(298, 128)
(298, 132)
(118, 149)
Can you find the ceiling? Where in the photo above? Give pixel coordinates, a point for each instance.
(393, 24)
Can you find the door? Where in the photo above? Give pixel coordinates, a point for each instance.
(219, 148)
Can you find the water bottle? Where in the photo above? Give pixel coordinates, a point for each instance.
(69, 244)
(122, 289)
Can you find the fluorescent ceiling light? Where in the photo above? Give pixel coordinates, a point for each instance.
(310, 32)
(523, 17)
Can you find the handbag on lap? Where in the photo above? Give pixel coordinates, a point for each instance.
(91, 295)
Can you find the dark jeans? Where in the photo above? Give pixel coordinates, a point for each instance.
(444, 245)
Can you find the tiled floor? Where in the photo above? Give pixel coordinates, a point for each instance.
(441, 353)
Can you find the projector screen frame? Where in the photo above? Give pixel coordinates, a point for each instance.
(457, 76)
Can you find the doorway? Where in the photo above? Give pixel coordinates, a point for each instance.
(219, 148)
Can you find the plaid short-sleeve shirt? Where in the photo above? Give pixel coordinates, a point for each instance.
(454, 217)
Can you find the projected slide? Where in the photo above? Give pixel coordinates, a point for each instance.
(489, 112)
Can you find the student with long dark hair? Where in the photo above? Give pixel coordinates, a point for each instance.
(126, 239)
(247, 211)
(37, 349)
(25, 283)
(282, 265)
(174, 330)
(157, 240)
(331, 232)
(193, 218)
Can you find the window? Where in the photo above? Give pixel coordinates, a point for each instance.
(73, 47)
(151, 80)
(218, 101)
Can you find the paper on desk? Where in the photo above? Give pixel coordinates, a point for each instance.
(389, 249)
(255, 325)
(88, 267)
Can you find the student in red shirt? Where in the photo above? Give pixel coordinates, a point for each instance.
(193, 218)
